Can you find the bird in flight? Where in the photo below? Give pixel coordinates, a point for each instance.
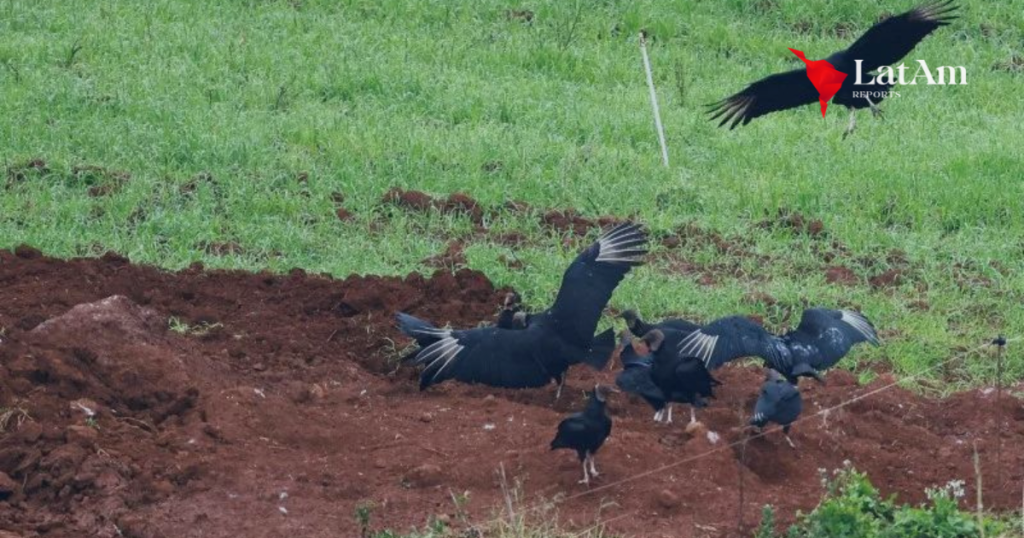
(883, 44)
(551, 341)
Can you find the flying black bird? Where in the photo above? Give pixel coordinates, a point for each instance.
(586, 431)
(779, 402)
(663, 376)
(639, 327)
(883, 44)
(552, 341)
(823, 337)
(512, 315)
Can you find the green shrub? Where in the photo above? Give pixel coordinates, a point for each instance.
(853, 508)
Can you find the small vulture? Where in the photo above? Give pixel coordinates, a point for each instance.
(586, 431)
(552, 341)
(779, 402)
(883, 44)
(823, 338)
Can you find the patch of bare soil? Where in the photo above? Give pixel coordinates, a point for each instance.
(795, 222)
(421, 201)
(269, 405)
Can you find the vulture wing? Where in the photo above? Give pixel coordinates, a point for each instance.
(588, 283)
(830, 334)
(731, 338)
(490, 356)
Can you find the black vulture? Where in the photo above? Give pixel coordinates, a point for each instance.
(823, 337)
(586, 431)
(683, 378)
(512, 315)
(662, 376)
(779, 402)
(635, 377)
(883, 44)
(639, 327)
(552, 341)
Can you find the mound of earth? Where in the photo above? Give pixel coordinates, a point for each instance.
(141, 403)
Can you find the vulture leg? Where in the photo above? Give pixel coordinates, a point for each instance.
(790, 441)
(593, 469)
(586, 477)
(658, 415)
(693, 416)
(852, 125)
(875, 111)
(561, 383)
(669, 421)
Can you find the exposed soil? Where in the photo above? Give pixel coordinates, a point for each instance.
(273, 408)
(420, 201)
(838, 274)
(889, 279)
(452, 258)
(794, 221)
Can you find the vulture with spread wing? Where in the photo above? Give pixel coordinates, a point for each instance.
(551, 341)
(823, 337)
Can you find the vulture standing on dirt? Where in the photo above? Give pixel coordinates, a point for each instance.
(552, 341)
(779, 402)
(512, 315)
(639, 327)
(883, 44)
(586, 431)
(635, 377)
(663, 376)
(823, 338)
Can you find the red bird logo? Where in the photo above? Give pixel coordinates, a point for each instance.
(826, 79)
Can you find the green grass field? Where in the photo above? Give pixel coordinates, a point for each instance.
(467, 96)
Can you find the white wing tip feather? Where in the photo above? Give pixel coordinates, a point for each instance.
(433, 331)
(861, 324)
(444, 349)
(700, 345)
(626, 243)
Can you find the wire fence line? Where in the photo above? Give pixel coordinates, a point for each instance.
(745, 439)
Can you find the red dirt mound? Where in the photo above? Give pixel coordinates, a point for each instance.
(269, 405)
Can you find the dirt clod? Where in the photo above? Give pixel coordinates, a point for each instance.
(838, 274)
(26, 252)
(425, 476)
(889, 279)
(343, 214)
(83, 436)
(667, 500)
